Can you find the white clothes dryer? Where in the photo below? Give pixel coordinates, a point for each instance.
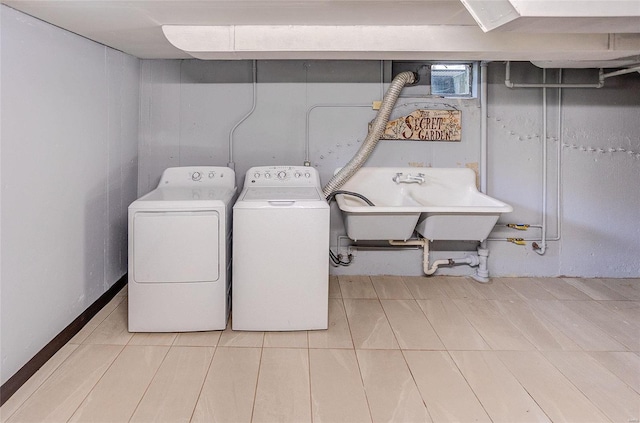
(179, 252)
(280, 251)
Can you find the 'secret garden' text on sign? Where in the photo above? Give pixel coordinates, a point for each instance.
(426, 125)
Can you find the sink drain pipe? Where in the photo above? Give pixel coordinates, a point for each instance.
(373, 136)
(470, 259)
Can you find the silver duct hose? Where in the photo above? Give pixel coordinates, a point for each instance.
(375, 133)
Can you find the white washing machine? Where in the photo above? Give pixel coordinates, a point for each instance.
(179, 252)
(280, 251)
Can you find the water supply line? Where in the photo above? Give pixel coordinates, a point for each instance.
(541, 249)
(231, 164)
(560, 85)
(373, 136)
(599, 84)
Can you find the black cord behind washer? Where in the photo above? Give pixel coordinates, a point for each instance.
(331, 196)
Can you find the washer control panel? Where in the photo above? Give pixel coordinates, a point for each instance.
(297, 176)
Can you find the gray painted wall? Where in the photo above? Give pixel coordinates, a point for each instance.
(599, 139)
(69, 115)
(189, 107)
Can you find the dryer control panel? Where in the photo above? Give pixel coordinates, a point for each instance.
(291, 176)
(198, 176)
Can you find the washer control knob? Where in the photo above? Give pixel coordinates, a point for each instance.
(282, 174)
(297, 174)
(307, 175)
(267, 175)
(196, 176)
(256, 175)
(212, 175)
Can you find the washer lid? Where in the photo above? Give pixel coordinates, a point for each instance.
(281, 194)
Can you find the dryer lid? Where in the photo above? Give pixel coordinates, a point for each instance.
(190, 194)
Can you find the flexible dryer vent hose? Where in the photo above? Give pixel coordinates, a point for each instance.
(375, 133)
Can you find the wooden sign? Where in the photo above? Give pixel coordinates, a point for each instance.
(426, 125)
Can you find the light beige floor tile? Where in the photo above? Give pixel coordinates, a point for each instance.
(391, 391)
(558, 397)
(504, 399)
(595, 288)
(60, 395)
(424, 288)
(443, 388)
(97, 319)
(174, 391)
(294, 339)
(337, 393)
(231, 338)
(369, 326)
(391, 288)
(629, 288)
(113, 330)
(631, 306)
(560, 289)
(610, 394)
(539, 331)
(153, 338)
(338, 334)
(495, 289)
(580, 330)
(34, 382)
(453, 328)
(497, 331)
(116, 395)
(334, 287)
(528, 289)
(198, 339)
(357, 287)
(625, 365)
(77, 382)
(283, 391)
(412, 329)
(629, 310)
(457, 287)
(613, 324)
(230, 386)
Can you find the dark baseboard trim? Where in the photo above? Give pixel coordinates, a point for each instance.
(32, 366)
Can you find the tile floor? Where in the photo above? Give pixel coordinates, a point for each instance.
(399, 349)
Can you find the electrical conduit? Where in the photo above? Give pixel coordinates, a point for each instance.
(231, 164)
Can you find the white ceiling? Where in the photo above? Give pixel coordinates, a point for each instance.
(543, 30)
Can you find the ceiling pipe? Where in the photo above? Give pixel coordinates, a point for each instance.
(509, 84)
(622, 72)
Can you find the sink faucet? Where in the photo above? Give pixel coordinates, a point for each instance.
(400, 178)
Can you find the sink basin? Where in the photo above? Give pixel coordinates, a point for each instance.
(446, 206)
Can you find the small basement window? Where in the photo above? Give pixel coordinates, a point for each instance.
(449, 80)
